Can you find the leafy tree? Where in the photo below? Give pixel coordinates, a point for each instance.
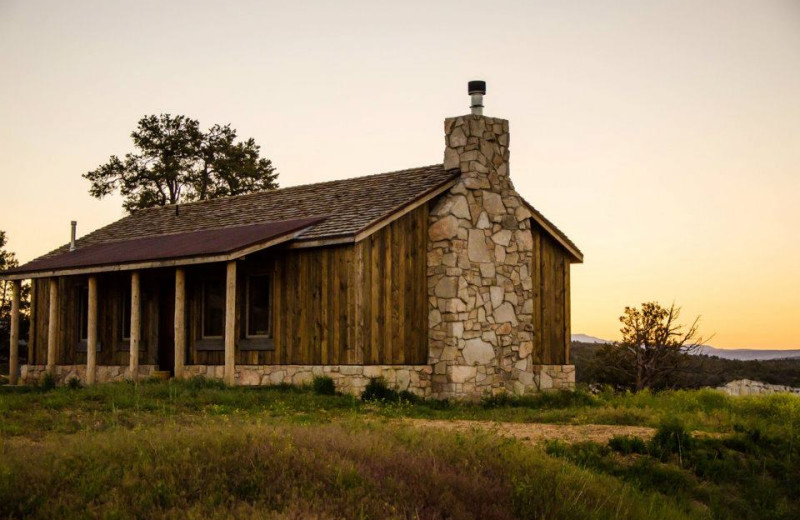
(175, 161)
(9, 260)
(653, 349)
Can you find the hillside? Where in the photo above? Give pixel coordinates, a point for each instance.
(704, 370)
(743, 354)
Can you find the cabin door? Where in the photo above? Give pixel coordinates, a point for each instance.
(166, 325)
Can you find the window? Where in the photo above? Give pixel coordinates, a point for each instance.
(83, 313)
(258, 313)
(125, 318)
(213, 308)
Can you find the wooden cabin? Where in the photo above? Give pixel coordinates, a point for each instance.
(441, 279)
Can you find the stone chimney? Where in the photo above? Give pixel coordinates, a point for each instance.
(479, 261)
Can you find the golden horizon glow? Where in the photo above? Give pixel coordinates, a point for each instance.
(662, 137)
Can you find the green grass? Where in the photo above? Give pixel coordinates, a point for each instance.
(342, 470)
(747, 475)
(198, 449)
(34, 411)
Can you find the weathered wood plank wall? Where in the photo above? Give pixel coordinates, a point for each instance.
(350, 304)
(551, 300)
(111, 291)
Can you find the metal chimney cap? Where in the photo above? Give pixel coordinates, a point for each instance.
(476, 87)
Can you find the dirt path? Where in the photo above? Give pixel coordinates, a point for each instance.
(537, 433)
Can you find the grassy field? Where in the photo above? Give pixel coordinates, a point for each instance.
(197, 449)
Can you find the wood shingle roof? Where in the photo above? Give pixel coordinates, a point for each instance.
(348, 205)
(340, 209)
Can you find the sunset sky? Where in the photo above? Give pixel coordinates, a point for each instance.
(662, 136)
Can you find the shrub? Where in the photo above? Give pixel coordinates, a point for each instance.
(200, 383)
(378, 390)
(48, 382)
(671, 438)
(74, 383)
(557, 400)
(628, 444)
(323, 385)
(584, 454)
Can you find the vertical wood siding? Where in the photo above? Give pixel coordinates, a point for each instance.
(351, 304)
(111, 290)
(551, 300)
(363, 303)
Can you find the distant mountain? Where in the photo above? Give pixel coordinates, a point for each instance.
(585, 338)
(747, 354)
(741, 354)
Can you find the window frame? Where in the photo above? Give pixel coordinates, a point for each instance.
(248, 282)
(203, 286)
(203, 342)
(125, 317)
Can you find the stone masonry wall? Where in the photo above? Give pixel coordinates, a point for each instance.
(351, 379)
(479, 281)
(30, 374)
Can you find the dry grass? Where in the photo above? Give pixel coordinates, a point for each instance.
(343, 470)
(536, 433)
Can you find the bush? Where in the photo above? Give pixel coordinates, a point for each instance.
(201, 383)
(74, 383)
(323, 385)
(628, 444)
(48, 382)
(671, 438)
(557, 400)
(585, 454)
(378, 390)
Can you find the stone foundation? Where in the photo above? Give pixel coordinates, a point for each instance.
(350, 379)
(31, 374)
(552, 377)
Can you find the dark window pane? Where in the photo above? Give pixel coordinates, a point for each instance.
(213, 308)
(83, 312)
(125, 319)
(258, 306)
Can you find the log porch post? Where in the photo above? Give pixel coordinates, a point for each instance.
(52, 327)
(230, 324)
(91, 333)
(136, 329)
(180, 321)
(13, 355)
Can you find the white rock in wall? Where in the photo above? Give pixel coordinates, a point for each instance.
(477, 351)
(476, 246)
(505, 314)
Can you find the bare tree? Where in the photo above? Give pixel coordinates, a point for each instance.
(654, 346)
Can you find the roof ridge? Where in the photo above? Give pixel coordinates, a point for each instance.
(296, 186)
